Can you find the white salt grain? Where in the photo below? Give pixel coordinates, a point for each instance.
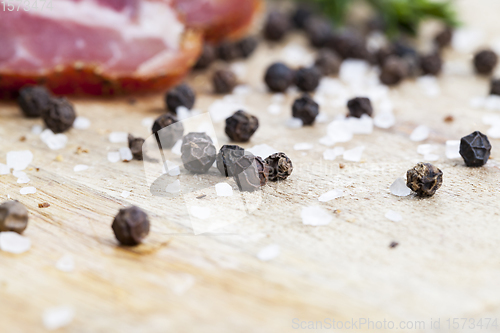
(174, 171)
(354, 155)
(453, 149)
(23, 180)
(242, 90)
(221, 109)
(494, 132)
(54, 141)
(19, 160)
(426, 149)
(36, 129)
(384, 120)
(118, 137)
(321, 118)
(337, 131)
(429, 85)
(113, 156)
(125, 194)
(303, 146)
(420, 133)
(393, 216)
(182, 112)
(330, 195)
(66, 263)
(467, 40)
(19, 174)
(399, 188)
(294, 123)
(28, 190)
(147, 122)
(491, 119)
(315, 216)
(80, 167)
(262, 150)
(14, 243)
(4, 169)
(176, 149)
(174, 187)
(200, 212)
(332, 154)
(297, 55)
(492, 102)
(363, 125)
(269, 252)
(239, 69)
(353, 71)
(126, 154)
(274, 109)
(223, 190)
(58, 317)
(326, 141)
(81, 123)
(278, 98)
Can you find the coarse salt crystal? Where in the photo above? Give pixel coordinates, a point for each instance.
(199, 212)
(326, 141)
(19, 174)
(36, 129)
(429, 85)
(332, 154)
(125, 194)
(353, 71)
(147, 122)
(176, 149)
(321, 118)
(80, 167)
(262, 150)
(303, 146)
(27, 190)
(4, 169)
(269, 252)
(81, 123)
(384, 120)
(113, 156)
(393, 216)
(118, 137)
(223, 190)
(23, 180)
(337, 131)
(363, 125)
(66, 263)
(242, 90)
(453, 149)
(426, 149)
(278, 98)
(354, 155)
(54, 141)
(420, 133)
(297, 55)
(58, 317)
(494, 132)
(274, 109)
(294, 123)
(19, 160)
(315, 216)
(220, 109)
(467, 40)
(14, 243)
(126, 154)
(240, 69)
(399, 188)
(330, 195)
(174, 187)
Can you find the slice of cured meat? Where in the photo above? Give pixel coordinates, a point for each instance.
(219, 19)
(98, 47)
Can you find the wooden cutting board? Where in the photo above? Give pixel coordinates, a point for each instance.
(446, 265)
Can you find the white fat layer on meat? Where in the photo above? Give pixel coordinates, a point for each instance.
(156, 19)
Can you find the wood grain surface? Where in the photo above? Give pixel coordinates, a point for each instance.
(446, 266)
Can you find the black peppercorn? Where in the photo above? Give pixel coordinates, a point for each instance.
(280, 167)
(279, 77)
(301, 15)
(475, 149)
(241, 126)
(276, 26)
(307, 79)
(403, 49)
(182, 95)
(247, 46)
(495, 87)
(393, 71)
(424, 179)
(349, 45)
(359, 106)
(319, 31)
(485, 62)
(227, 157)
(33, 100)
(228, 51)
(207, 57)
(306, 109)
(59, 115)
(167, 130)
(198, 152)
(431, 64)
(443, 38)
(131, 226)
(250, 173)
(328, 62)
(135, 145)
(224, 81)
(13, 216)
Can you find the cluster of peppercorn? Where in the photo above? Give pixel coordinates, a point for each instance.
(58, 114)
